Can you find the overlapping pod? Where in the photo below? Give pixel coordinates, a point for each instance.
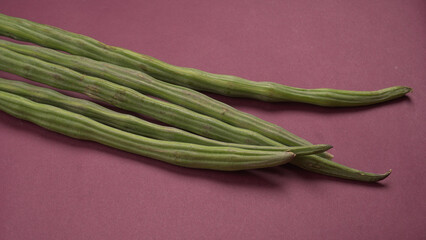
(177, 153)
(127, 98)
(193, 78)
(81, 45)
(146, 84)
(64, 78)
(131, 123)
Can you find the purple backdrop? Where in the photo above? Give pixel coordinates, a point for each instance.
(55, 187)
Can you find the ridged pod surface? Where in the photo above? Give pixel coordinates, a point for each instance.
(146, 84)
(177, 153)
(131, 123)
(126, 98)
(193, 78)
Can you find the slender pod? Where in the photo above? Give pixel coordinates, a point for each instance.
(144, 83)
(193, 78)
(131, 123)
(127, 98)
(181, 154)
(334, 169)
(63, 78)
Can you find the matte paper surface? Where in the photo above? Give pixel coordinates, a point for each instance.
(56, 187)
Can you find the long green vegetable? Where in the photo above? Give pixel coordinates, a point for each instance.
(334, 169)
(223, 84)
(76, 44)
(144, 83)
(181, 154)
(64, 78)
(131, 123)
(126, 98)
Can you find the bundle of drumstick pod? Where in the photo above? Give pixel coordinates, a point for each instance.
(202, 132)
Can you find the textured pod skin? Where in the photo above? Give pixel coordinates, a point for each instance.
(50, 74)
(193, 78)
(131, 123)
(59, 39)
(127, 98)
(146, 84)
(334, 169)
(181, 154)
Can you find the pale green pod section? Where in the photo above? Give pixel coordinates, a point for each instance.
(131, 123)
(193, 78)
(58, 39)
(126, 98)
(146, 84)
(181, 154)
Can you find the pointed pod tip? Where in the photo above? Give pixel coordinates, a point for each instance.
(320, 148)
(385, 175)
(400, 90)
(408, 89)
(404, 89)
(327, 147)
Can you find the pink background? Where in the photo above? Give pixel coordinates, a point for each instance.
(55, 187)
